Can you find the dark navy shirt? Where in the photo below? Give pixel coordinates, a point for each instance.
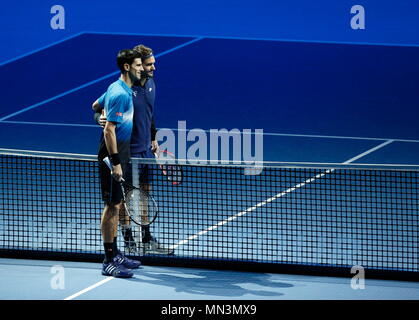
(143, 98)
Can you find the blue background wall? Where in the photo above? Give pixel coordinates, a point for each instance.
(25, 25)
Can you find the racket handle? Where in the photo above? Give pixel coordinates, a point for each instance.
(108, 163)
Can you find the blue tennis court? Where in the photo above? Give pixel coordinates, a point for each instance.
(316, 102)
(313, 95)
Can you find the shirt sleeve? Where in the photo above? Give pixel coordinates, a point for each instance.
(99, 108)
(101, 100)
(116, 107)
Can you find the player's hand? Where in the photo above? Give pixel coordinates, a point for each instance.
(102, 119)
(154, 146)
(117, 172)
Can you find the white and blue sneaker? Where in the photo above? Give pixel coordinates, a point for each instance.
(127, 262)
(116, 269)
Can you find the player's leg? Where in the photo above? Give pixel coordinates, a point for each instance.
(119, 256)
(112, 196)
(107, 227)
(145, 229)
(125, 221)
(111, 265)
(126, 229)
(149, 243)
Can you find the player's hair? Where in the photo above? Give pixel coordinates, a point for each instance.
(126, 56)
(145, 52)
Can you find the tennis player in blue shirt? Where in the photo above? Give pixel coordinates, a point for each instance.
(115, 144)
(143, 142)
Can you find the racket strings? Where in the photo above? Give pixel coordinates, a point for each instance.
(142, 209)
(173, 172)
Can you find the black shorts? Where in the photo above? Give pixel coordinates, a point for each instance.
(140, 173)
(111, 189)
(139, 176)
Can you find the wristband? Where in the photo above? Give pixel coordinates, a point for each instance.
(115, 160)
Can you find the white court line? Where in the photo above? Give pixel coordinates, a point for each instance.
(40, 49)
(36, 105)
(250, 209)
(110, 278)
(242, 213)
(261, 164)
(48, 154)
(279, 195)
(58, 124)
(368, 152)
(256, 39)
(89, 288)
(296, 135)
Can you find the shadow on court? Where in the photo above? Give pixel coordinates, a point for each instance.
(213, 283)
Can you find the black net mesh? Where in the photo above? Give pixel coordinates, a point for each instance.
(320, 217)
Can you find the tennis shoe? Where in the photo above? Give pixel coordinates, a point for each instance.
(115, 269)
(131, 246)
(127, 262)
(154, 247)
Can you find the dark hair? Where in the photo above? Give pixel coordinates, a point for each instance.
(126, 56)
(145, 52)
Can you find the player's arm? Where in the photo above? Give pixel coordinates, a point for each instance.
(99, 115)
(98, 107)
(111, 145)
(114, 109)
(154, 143)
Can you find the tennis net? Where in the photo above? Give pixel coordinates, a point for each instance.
(285, 217)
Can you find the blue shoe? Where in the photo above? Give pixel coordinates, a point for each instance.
(127, 262)
(115, 269)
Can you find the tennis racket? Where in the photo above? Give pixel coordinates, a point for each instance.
(139, 204)
(173, 172)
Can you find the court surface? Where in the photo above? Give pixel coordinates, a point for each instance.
(34, 280)
(321, 103)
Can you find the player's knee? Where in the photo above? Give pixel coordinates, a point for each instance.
(113, 208)
(145, 187)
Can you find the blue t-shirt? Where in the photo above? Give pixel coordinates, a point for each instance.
(119, 110)
(143, 105)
